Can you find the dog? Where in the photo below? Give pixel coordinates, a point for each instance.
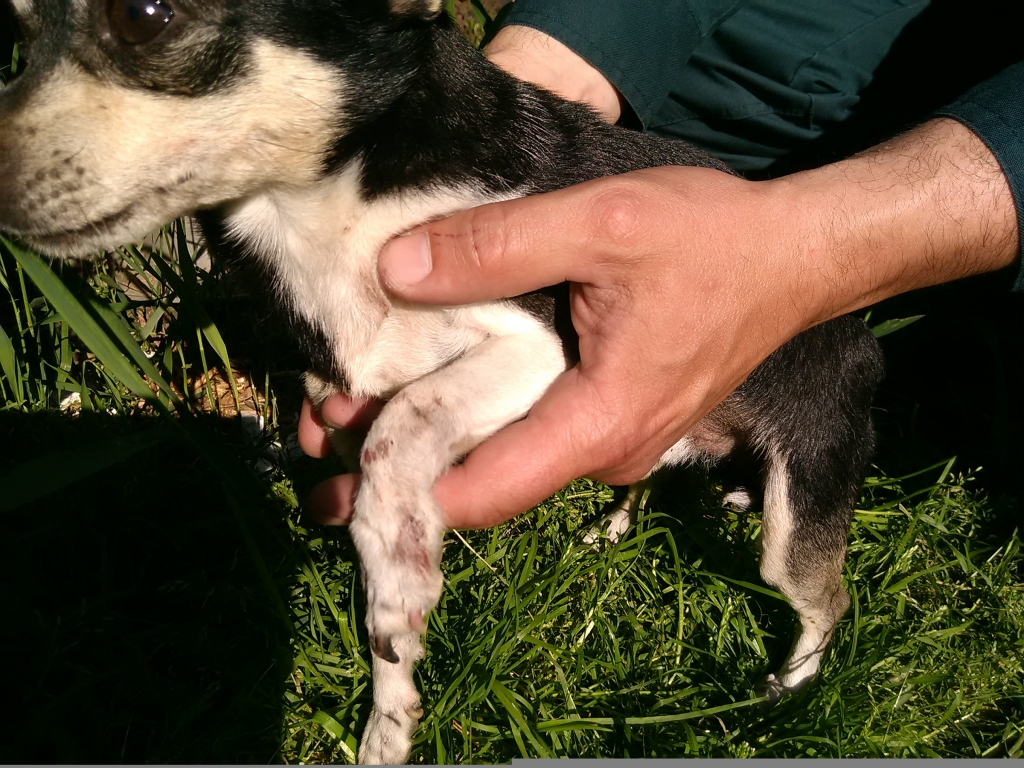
(306, 134)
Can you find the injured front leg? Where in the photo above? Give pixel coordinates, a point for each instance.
(397, 524)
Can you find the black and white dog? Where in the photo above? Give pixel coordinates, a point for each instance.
(308, 133)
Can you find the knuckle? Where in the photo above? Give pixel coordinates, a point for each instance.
(617, 214)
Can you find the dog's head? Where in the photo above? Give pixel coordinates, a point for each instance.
(133, 112)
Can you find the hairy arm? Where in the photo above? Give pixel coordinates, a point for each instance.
(930, 206)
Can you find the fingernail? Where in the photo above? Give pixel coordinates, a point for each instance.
(405, 260)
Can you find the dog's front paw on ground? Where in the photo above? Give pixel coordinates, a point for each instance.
(387, 739)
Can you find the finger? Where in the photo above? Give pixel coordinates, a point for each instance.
(344, 412)
(538, 58)
(500, 479)
(509, 248)
(529, 460)
(312, 433)
(332, 501)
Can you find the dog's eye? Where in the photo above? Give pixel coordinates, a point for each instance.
(139, 21)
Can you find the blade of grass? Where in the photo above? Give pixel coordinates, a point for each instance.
(191, 296)
(92, 333)
(891, 326)
(9, 367)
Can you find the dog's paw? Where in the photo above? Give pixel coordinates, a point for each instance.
(398, 599)
(387, 739)
(739, 498)
(775, 686)
(772, 688)
(619, 518)
(400, 556)
(613, 527)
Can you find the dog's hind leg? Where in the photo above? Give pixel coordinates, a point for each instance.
(615, 524)
(398, 526)
(806, 412)
(803, 545)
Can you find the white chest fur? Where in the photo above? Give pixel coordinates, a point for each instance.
(322, 242)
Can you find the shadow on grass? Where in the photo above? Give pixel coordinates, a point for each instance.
(717, 537)
(137, 627)
(954, 386)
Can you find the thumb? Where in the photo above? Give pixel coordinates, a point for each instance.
(493, 251)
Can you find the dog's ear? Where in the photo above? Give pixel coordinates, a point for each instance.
(417, 9)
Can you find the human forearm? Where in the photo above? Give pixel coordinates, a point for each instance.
(927, 207)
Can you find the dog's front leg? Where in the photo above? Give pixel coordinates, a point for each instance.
(398, 526)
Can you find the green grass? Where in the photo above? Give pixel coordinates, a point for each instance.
(543, 648)
(164, 600)
(146, 632)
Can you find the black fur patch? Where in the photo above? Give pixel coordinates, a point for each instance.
(460, 120)
(811, 402)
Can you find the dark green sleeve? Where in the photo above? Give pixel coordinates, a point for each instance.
(995, 111)
(639, 46)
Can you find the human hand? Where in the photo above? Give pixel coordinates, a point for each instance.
(538, 58)
(530, 55)
(669, 302)
(684, 280)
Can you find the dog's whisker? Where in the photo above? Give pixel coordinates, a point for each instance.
(296, 150)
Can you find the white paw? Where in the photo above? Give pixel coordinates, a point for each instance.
(387, 739)
(771, 687)
(614, 526)
(400, 552)
(398, 599)
(777, 685)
